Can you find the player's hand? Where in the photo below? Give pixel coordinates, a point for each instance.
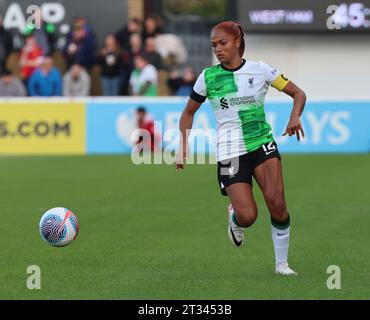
(294, 127)
(181, 156)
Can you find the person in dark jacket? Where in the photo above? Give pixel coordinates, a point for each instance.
(6, 45)
(123, 35)
(151, 52)
(111, 62)
(81, 45)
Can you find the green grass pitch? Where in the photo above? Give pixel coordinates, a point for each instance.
(149, 232)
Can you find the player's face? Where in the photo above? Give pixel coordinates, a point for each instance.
(225, 46)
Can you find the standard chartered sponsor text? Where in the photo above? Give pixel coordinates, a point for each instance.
(242, 100)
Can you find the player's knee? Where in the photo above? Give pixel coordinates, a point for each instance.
(276, 204)
(246, 217)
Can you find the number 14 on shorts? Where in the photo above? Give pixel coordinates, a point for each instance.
(269, 147)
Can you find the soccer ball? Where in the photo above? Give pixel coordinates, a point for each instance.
(59, 227)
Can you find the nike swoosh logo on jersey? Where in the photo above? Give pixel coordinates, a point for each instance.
(218, 88)
(281, 234)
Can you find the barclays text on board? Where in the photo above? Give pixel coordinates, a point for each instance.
(107, 126)
(337, 127)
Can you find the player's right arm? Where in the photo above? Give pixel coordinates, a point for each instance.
(186, 123)
(197, 97)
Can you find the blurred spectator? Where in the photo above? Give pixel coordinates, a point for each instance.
(144, 78)
(76, 82)
(152, 27)
(6, 45)
(182, 85)
(150, 51)
(146, 123)
(80, 46)
(125, 73)
(123, 35)
(10, 86)
(136, 48)
(46, 81)
(44, 33)
(110, 59)
(172, 49)
(30, 58)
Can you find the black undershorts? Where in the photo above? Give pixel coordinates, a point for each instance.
(240, 169)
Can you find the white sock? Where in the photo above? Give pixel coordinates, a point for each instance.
(280, 238)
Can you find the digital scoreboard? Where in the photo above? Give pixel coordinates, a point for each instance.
(305, 16)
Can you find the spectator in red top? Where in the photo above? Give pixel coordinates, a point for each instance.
(145, 123)
(30, 59)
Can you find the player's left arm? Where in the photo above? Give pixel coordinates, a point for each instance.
(294, 126)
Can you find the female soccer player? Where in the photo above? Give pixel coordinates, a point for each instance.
(236, 89)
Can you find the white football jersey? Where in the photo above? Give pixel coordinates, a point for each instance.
(237, 97)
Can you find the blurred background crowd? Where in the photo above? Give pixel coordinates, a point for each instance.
(139, 59)
(158, 47)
